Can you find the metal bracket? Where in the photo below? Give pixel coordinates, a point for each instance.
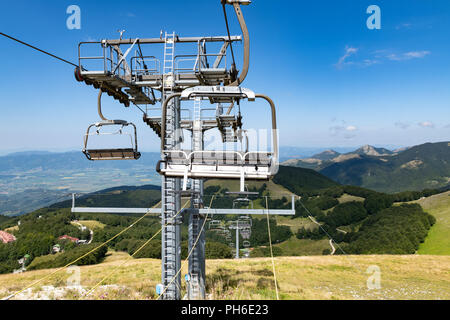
(227, 93)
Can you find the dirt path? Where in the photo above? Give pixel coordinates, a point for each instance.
(332, 247)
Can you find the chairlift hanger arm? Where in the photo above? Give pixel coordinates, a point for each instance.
(237, 8)
(274, 124)
(99, 106)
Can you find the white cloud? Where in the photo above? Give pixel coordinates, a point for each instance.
(349, 51)
(417, 54)
(377, 57)
(351, 128)
(408, 55)
(426, 124)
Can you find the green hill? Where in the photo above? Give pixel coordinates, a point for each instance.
(299, 180)
(438, 240)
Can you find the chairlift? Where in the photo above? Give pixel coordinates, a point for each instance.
(221, 230)
(112, 153)
(219, 164)
(245, 220)
(214, 224)
(246, 202)
(243, 197)
(246, 233)
(240, 224)
(130, 153)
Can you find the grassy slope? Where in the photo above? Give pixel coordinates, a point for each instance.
(303, 247)
(319, 277)
(92, 224)
(276, 191)
(438, 239)
(348, 198)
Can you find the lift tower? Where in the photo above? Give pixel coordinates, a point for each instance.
(145, 80)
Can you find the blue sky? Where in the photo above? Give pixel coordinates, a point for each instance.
(335, 82)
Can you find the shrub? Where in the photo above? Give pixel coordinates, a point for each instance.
(216, 250)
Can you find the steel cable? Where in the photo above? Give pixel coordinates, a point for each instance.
(40, 50)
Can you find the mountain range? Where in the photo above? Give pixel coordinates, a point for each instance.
(414, 168)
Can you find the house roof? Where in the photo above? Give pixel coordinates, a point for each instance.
(6, 237)
(66, 237)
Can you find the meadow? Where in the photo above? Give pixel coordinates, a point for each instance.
(299, 278)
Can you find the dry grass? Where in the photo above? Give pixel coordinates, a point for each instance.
(303, 247)
(318, 277)
(296, 223)
(276, 191)
(12, 229)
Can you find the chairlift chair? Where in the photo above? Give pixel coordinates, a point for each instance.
(240, 224)
(245, 220)
(259, 165)
(111, 154)
(214, 224)
(244, 201)
(245, 233)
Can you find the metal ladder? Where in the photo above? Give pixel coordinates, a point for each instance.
(229, 136)
(196, 260)
(169, 52)
(197, 109)
(171, 235)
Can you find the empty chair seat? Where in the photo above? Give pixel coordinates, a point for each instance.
(219, 158)
(112, 154)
